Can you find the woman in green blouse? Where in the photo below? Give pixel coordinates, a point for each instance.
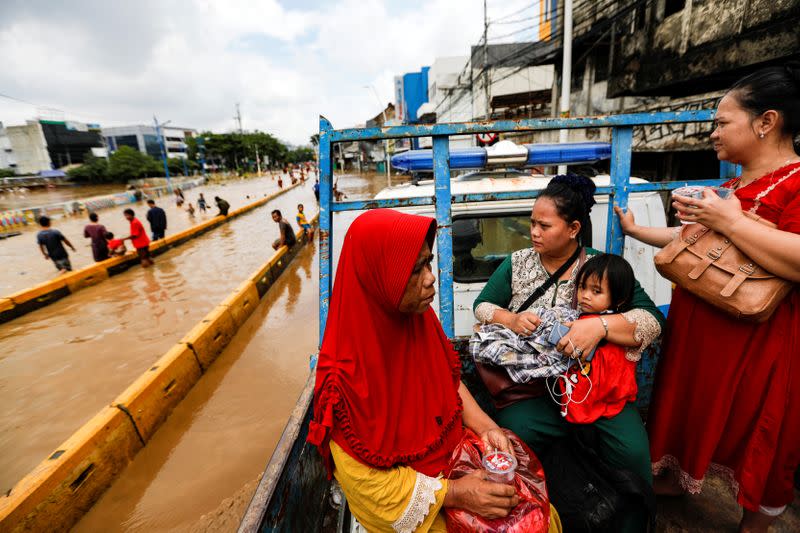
(559, 218)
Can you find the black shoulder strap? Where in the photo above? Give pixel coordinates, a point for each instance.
(549, 282)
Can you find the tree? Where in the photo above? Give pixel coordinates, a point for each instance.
(300, 154)
(129, 163)
(94, 170)
(7, 173)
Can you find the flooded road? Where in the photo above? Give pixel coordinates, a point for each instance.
(59, 365)
(201, 468)
(35, 197)
(23, 265)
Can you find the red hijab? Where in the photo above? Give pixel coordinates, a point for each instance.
(387, 382)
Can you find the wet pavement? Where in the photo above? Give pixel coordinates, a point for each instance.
(24, 266)
(59, 365)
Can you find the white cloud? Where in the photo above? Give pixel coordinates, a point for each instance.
(192, 61)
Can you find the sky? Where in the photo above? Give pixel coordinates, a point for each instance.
(285, 62)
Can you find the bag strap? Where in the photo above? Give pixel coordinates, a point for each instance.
(549, 281)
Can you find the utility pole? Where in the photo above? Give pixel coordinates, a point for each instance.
(258, 162)
(385, 141)
(486, 59)
(566, 74)
(160, 135)
(238, 118)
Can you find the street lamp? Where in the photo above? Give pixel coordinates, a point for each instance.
(163, 144)
(385, 141)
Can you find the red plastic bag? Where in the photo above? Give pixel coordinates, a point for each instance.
(533, 512)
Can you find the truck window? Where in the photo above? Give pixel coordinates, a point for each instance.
(481, 243)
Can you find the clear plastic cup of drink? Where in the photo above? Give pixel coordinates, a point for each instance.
(696, 192)
(500, 467)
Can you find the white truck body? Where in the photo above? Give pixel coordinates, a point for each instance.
(647, 208)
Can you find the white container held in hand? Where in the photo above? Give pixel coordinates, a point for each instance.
(696, 192)
(500, 467)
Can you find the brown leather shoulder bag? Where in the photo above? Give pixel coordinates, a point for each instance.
(710, 266)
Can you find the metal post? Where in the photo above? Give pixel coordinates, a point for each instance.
(444, 234)
(566, 73)
(728, 170)
(325, 222)
(160, 135)
(621, 144)
(185, 168)
(385, 141)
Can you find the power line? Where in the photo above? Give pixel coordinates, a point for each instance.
(517, 12)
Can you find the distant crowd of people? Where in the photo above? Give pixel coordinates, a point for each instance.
(105, 244)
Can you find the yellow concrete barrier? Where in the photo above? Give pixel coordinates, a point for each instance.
(64, 486)
(38, 291)
(56, 494)
(242, 303)
(45, 293)
(152, 397)
(85, 277)
(208, 338)
(6, 304)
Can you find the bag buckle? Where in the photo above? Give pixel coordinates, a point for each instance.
(747, 268)
(691, 239)
(714, 254)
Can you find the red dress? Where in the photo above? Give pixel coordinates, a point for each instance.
(727, 392)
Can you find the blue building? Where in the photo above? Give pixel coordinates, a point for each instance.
(415, 93)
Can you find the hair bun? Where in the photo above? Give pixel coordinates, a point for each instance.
(581, 184)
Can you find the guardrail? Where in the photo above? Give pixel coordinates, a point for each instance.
(63, 487)
(27, 300)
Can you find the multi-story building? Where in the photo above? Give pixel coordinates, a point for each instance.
(28, 148)
(145, 139)
(68, 142)
(663, 55)
(7, 159)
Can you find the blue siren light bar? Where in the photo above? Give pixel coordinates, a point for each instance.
(506, 154)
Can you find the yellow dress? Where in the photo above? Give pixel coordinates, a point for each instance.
(397, 499)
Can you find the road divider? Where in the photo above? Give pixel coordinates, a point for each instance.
(38, 296)
(63, 487)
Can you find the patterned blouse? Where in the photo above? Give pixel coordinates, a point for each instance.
(526, 273)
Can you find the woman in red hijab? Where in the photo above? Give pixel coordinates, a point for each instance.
(389, 404)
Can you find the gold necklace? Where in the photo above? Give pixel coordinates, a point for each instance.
(738, 183)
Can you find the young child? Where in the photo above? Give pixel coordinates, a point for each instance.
(605, 380)
(303, 223)
(116, 247)
(600, 388)
(190, 210)
(201, 203)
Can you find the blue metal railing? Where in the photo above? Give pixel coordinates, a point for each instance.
(618, 191)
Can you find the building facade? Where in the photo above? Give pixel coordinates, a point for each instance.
(28, 146)
(146, 140)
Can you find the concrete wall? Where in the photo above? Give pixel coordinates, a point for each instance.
(30, 147)
(7, 159)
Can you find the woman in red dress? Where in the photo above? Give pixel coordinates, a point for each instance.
(727, 392)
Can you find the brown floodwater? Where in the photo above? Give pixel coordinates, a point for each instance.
(221, 435)
(59, 365)
(24, 266)
(201, 468)
(39, 196)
